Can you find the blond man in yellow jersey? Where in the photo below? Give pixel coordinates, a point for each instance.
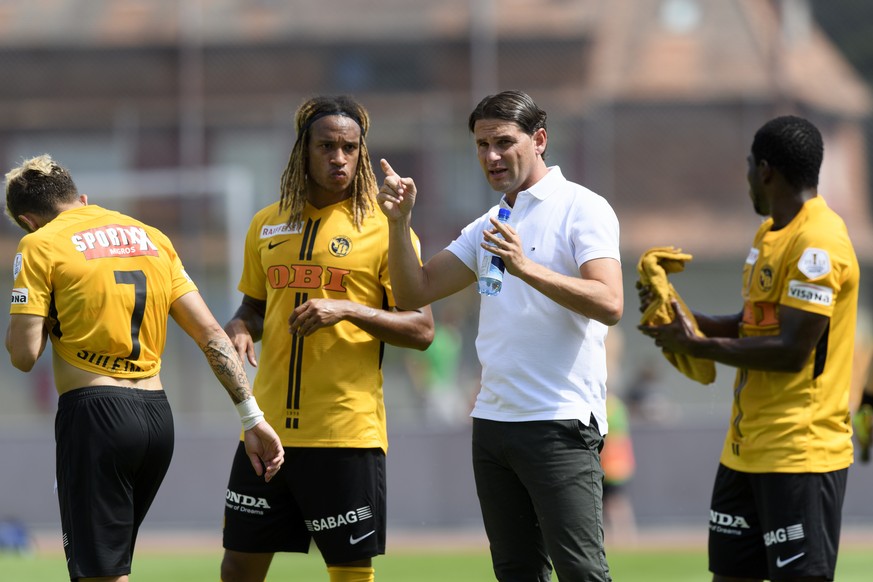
(316, 293)
(778, 494)
(100, 285)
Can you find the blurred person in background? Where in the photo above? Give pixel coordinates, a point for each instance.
(619, 464)
(644, 397)
(435, 374)
(540, 415)
(617, 456)
(316, 293)
(100, 285)
(861, 398)
(778, 493)
(863, 418)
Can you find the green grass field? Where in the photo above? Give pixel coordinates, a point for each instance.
(855, 565)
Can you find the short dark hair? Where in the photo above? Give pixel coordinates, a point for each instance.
(793, 146)
(515, 106)
(38, 185)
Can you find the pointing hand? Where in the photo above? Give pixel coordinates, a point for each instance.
(397, 195)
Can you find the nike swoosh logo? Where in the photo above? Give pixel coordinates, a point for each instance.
(353, 540)
(271, 245)
(780, 562)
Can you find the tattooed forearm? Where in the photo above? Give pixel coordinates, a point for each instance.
(228, 368)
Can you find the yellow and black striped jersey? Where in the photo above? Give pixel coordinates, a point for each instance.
(325, 389)
(788, 422)
(105, 281)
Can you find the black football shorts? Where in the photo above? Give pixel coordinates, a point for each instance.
(775, 526)
(113, 447)
(334, 496)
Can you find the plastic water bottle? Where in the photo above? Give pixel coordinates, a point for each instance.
(491, 277)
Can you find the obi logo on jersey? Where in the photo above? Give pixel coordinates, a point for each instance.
(114, 240)
(307, 277)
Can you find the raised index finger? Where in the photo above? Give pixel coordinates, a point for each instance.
(386, 167)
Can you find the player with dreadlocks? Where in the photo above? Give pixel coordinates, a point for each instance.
(316, 293)
(294, 179)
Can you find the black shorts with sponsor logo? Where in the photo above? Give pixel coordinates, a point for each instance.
(775, 526)
(114, 446)
(334, 496)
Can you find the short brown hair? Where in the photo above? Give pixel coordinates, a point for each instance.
(38, 185)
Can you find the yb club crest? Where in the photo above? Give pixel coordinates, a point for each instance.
(340, 246)
(765, 278)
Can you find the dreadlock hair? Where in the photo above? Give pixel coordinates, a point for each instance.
(293, 184)
(38, 185)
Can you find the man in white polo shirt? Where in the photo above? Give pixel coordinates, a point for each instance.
(540, 416)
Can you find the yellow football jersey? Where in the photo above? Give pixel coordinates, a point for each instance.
(797, 422)
(325, 389)
(105, 282)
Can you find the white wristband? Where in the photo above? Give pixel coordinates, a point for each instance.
(249, 413)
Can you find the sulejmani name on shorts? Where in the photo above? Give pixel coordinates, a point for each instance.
(113, 363)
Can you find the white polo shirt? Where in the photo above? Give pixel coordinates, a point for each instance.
(541, 361)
